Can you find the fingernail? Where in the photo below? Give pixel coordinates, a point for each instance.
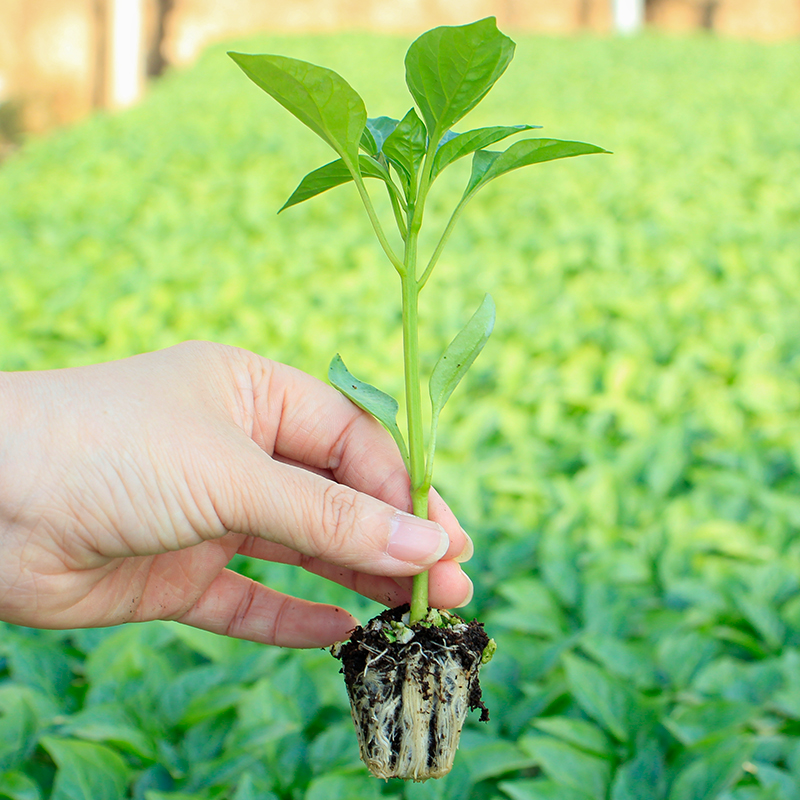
(468, 551)
(418, 541)
(468, 599)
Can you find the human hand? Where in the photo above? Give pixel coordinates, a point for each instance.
(127, 487)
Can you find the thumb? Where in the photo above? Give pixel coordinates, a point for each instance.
(323, 519)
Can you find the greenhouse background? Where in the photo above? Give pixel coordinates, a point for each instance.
(625, 452)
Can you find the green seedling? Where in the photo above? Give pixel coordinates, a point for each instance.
(449, 70)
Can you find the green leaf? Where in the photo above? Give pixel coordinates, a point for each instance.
(541, 789)
(577, 732)
(19, 726)
(405, 145)
(770, 776)
(599, 695)
(449, 70)
(462, 144)
(18, 786)
(319, 97)
(343, 786)
(86, 771)
(690, 724)
(716, 770)
(110, 723)
(643, 778)
(335, 174)
(569, 766)
(460, 354)
(381, 405)
(489, 164)
(153, 794)
(375, 133)
(532, 609)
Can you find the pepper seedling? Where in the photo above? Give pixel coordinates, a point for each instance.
(449, 70)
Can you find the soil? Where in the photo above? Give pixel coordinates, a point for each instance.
(369, 648)
(468, 647)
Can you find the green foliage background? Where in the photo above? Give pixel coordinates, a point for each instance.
(625, 452)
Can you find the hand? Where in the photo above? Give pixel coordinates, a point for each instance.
(127, 487)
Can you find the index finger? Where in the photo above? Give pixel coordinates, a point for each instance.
(300, 419)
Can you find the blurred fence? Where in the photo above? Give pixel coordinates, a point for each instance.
(61, 58)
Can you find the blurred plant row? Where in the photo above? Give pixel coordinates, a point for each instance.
(633, 427)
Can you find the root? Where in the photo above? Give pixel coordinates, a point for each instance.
(409, 700)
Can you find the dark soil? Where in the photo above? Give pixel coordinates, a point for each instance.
(467, 646)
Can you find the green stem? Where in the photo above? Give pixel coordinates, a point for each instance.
(376, 223)
(420, 486)
(442, 241)
(416, 435)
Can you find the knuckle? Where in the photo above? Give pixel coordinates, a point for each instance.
(237, 623)
(340, 514)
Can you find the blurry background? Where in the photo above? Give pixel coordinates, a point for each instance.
(625, 452)
(61, 58)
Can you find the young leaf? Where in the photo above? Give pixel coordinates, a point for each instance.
(381, 405)
(602, 697)
(458, 145)
(18, 786)
(488, 165)
(334, 174)
(86, 771)
(643, 778)
(450, 69)
(405, 145)
(716, 770)
(319, 97)
(375, 133)
(459, 355)
(569, 766)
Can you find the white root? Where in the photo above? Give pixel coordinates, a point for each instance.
(409, 714)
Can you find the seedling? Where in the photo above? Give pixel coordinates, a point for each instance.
(412, 674)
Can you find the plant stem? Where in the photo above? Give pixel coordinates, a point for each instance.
(376, 225)
(418, 473)
(442, 241)
(416, 436)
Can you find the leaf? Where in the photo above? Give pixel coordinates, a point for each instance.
(539, 789)
(716, 770)
(457, 145)
(156, 795)
(770, 776)
(690, 724)
(460, 354)
(569, 766)
(643, 778)
(343, 786)
(493, 758)
(599, 695)
(86, 771)
(375, 133)
(381, 405)
(18, 786)
(319, 97)
(449, 70)
(110, 723)
(335, 174)
(405, 145)
(489, 164)
(577, 732)
(19, 726)
(532, 609)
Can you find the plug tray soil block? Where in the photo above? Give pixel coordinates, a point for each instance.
(410, 688)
